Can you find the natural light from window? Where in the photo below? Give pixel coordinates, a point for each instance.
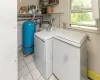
(81, 13)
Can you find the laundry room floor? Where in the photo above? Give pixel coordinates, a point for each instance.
(27, 69)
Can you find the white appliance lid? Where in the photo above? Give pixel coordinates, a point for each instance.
(44, 35)
(72, 36)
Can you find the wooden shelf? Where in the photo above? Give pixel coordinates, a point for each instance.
(53, 4)
(24, 15)
(31, 15)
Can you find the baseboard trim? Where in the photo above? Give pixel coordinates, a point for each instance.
(93, 75)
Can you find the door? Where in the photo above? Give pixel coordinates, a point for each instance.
(8, 40)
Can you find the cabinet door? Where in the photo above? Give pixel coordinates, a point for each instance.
(66, 61)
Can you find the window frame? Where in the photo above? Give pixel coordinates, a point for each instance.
(85, 26)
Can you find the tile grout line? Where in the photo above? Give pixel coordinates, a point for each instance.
(22, 67)
(25, 61)
(32, 70)
(39, 78)
(26, 74)
(28, 69)
(29, 62)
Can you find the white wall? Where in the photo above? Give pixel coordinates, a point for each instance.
(94, 52)
(26, 3)
(93, 46)
(8, 40)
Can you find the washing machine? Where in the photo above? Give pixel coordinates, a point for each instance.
(70, 55)
(43, 52)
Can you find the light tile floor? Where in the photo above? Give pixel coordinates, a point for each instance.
(27, 69)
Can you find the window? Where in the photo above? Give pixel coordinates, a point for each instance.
(81, 13)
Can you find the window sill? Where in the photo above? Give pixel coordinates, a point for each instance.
(85, 29)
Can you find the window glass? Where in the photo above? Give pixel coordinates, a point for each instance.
(85, 18)
(81, 13)
(81, 4)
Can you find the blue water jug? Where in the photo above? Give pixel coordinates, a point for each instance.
(29, 28)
